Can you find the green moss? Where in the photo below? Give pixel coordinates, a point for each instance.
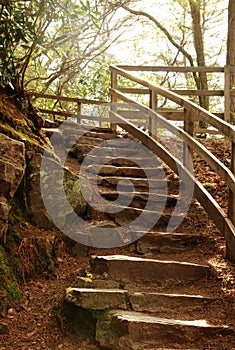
(9, 287)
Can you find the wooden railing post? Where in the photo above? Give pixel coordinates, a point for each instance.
(79, 111)
(227, 94)
(230, 244)
(231, 208)
(113, 98)
(153, 104)
(188, 127)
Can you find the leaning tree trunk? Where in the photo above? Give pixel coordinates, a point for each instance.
(231, 53)
(199, 48)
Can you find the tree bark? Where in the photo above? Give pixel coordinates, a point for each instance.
(231, 52)
(195, 7)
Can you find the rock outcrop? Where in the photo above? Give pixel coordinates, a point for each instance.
(12, 170)
(32, 250)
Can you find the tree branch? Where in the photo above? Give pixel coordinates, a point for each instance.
(163, 29)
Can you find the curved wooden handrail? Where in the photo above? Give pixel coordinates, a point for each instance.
(213, 162)
(225, 222)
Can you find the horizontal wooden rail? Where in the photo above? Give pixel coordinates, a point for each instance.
(178, 91)
(77, 116)
(173, 69)
(190, 113)
(65, 98)
(79, 102)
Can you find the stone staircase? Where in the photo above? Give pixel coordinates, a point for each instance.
(155, 290)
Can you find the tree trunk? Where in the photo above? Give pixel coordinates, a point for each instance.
(195, 7)
(231, 52)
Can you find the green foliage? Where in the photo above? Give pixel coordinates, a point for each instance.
(44, 42)
(16, 28)
(94, 82)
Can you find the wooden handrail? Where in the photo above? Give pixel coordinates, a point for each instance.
(198, 113)
(65, 98)
(176, 69)
(192, 113)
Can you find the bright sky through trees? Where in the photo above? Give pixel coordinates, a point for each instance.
(142, 43)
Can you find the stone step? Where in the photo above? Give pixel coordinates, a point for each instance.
(163, 242)
(126, 269)
(113, 181)
(140, 218)
(127, 152)
(111, 170)
(207, 287)
(122, 330)
(98, 129)
(175, 305)
(181, 306)
(139, 199)
(120, 160)
(101, 135)
(97, 299)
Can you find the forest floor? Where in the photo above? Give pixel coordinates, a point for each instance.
(36, 322)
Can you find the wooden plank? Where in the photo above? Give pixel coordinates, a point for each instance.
(178, 91)
(132, 114)
(172, 115)
(227, 94)
(171, 69)
(198, 92)
(121, 96)
(61, 113)
(207, 131)
(134, 91)
(65, 98)
(71, 115)
(230, 240)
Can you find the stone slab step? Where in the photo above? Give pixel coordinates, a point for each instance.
(111, 170)
(119, 160)
(142, 218)
(101, 135)
(171, 304)
(113, 181)
(83, 140)
(207, 288)
(122, 330)
(125, 268)
(118, 150)
(181, 306)
(163, 242)
(139, 197)
(93, 128)
(97, 299)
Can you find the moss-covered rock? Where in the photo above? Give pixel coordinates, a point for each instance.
(26, 250)
(9, 287)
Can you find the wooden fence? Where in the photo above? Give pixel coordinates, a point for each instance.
(192, 113)
(75, 110)
(226, 93)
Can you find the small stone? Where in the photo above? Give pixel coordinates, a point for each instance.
(4, 328)
(11, 312)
